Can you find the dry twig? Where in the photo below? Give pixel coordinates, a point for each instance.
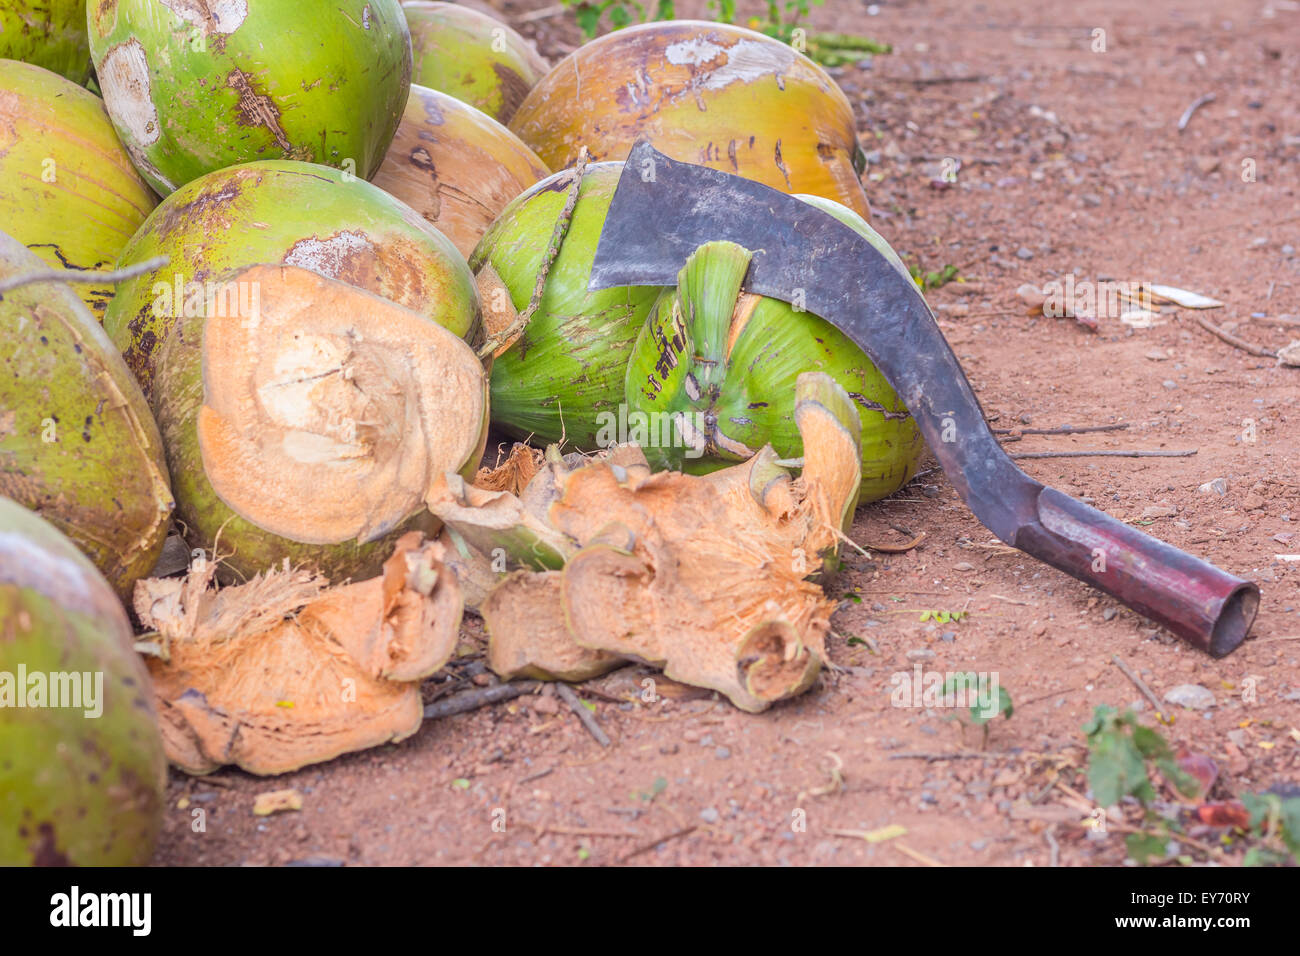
(569, 697)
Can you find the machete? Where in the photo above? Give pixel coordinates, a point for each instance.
(664, 209)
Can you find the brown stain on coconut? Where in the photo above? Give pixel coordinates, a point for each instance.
(422, 160)
(256, 108)
(389, 267)
(45, 851)
(513, 90)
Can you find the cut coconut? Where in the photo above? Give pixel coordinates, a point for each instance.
(282, 672)
(524, 618)
(703, 576)
(328, 411)
(720, 367)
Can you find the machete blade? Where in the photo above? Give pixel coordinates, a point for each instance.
(663, 209)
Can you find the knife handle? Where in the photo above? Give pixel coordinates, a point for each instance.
(1200, 603)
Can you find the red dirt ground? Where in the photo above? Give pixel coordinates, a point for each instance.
(1071, 160)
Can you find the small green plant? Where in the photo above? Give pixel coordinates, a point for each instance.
(1276, 820)
(1119, 750)
(942, 617)
(828, 49)
(590, 13)
(781, 23)
(656, 788)
(985, 706)
(933, 280)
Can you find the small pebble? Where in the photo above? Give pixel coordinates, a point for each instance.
(1191, 696)
(1170, 384)
(1024, 253)
(722, 753)
(709, 815)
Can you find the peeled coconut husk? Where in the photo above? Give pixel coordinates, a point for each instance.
(563, 377)
(457, 167)
(707, 93)
(198, 85)
(531, 603)
(473, 571)
(472, 56)
(70, 194)
(498, 525)
(284, 671)
(299, 214)
(78, 443)
(47, 33)
(311, 426)
(704, 576)
(711, 377)
(82, 781)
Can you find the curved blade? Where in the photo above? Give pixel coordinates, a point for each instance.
(664, 209)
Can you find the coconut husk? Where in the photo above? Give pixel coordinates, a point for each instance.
(528, 602)
(706, 577)
(284, 671)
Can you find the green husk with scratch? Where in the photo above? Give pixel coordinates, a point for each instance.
(193, 87)
(77, 441)
(566, 371)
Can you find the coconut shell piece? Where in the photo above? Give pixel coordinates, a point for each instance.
(704, 576)
(283, 671)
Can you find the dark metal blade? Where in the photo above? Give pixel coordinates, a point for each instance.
(664, 209)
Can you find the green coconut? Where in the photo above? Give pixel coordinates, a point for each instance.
(70, 194)
(563, 378)
(712, 376)
(48, 33)
(301, 214)
(306, 420)
(82, 771)
(197, 85)
(472, 56)
(78, 443)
